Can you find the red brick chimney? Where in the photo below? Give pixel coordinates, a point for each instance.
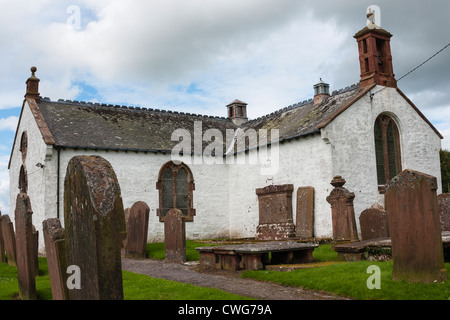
(375, 57)
(237, 112)
(32, 86)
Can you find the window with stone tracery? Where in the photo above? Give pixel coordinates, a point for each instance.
(175, 185)
(387, 150)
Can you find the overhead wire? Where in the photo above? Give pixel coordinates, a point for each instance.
(414, 69)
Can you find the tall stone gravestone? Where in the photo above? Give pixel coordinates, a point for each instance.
(123, 247)
(2, 243)
(175, 236)
(342, 212)
(275, 212)
(373, 223)
(9, 239)
(137, 231)
(304, 226)
(25, 248)
(35, 250)
(55, 248)
(444, 210)
(94, 224)
(411, 205)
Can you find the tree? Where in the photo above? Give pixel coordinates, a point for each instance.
(445, 170)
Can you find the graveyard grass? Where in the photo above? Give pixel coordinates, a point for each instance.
(345, 278)
(135, 286)
(9, 288)
(157, 250)
(142, 287)
(349, 279)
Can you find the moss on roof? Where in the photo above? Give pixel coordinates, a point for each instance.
(97, 126)
(80, 125)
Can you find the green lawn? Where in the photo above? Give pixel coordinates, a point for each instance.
(156, 250)
(9, 287)
(350, 279)
(135, 286)
(142, 287)
(346, 278)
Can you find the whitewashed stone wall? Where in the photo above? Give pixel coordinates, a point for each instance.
(353, 145)
(224, 197)
(36, 153)
(302, 162)
(137, 174)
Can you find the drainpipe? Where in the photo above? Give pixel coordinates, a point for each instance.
(57, 181)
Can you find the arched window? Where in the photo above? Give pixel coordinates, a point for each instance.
(23, 180)
(387, 150)
(175, 185)
(24, 145)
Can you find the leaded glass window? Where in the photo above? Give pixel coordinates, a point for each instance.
(182, 191)
(176, 186)
(387, 149)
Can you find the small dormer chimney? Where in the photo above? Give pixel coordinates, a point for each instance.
(321, 91)
(237, 112)
(32, 86)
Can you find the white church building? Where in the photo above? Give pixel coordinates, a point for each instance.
(367, 133)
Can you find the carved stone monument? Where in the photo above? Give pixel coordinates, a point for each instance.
(35, 250)
(412, 208)
(304, 226)
(175, 236)
(137, 231)
(24, 244)
(374, 223)
(444, 210)
(2, 243)
(9, 239)
(55, 248)
(94, 226)
(342, 212)
(275, 212)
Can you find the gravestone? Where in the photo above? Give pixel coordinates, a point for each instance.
(373, 223)
(444, 210)
(137, 231)
(417, 250)
(94, 227)
(2, 245)
(304, 226)
(342, 212)
(275, 212)
(55, 248)
(9, 239)
(175, 236)
(25, 248)
(35, 250)
(126, 213)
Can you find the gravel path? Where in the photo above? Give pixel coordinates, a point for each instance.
(221, 279)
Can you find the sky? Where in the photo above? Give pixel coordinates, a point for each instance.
(199, 55)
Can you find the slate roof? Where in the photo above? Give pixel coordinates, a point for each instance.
(304, 118)
(76, 124)
(84, 125)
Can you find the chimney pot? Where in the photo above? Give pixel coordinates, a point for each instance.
(237, 112)
(321, 91)
(33, 86)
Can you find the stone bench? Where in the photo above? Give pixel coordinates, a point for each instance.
(255, 256)
(355, 251)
